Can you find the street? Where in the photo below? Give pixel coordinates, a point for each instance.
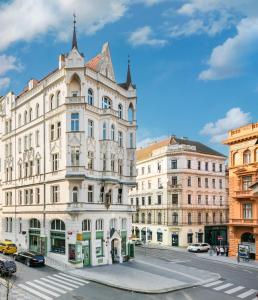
(237, 282)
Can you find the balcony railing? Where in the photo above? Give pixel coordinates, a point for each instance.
(244, 194)
(247, 222)
(75, 100)
(173, 187)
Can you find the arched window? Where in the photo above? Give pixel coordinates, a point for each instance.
(19, 120)
(130, 113)
(34, 223)
(120, 111)
(199, 218)
(86, 225)
(159, 218)
(106, 103)
(30, 114)
(175, 218)
(37, 110)
(58, 99)
(58, 225)
(104, 131)
(149, 218)
(51, 102)
(113, 223)
(247, 157)
(112, 132)
(25, 117)
(90, 97)
(143, 217)
(189, 218)
(75, 194)
(99, 224)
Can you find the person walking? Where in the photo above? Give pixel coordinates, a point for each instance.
(217, 250)
(222, 251)
(226, 251)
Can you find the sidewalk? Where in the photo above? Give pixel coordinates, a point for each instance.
(147, 275)
(228, 260)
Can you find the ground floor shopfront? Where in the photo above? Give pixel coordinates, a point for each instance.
(243, 235)
(180, 236)
(85, 240)
(216, 235)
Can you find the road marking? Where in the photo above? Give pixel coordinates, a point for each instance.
(236, 289)
(32, 291)
(50, 286)
(65, 283)
(222, 287)
(42, 289)
(73, 277)
(246, 294)
(57, 284)
(69, 280)
(213, 283)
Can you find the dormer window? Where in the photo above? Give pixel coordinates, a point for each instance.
(106, 103)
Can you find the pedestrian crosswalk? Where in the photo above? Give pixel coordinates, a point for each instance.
(229, 288)
(52, 286)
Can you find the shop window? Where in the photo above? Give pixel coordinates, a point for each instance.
(57, 236)
(159, 236)
(189, 238)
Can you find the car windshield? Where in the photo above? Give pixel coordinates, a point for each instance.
(11, 245)
(195, 245)
(9, 263)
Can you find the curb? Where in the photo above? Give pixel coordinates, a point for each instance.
(142, 291)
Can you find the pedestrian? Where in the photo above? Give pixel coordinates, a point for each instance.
(226, 251)
(222, 251)
(217, 250)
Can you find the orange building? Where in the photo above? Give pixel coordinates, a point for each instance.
(243, 189)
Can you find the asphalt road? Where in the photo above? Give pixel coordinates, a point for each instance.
(55, 285)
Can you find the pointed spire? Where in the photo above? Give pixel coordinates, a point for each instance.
(74, 42)
(128, 77)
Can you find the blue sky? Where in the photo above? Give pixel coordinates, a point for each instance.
(195, 62)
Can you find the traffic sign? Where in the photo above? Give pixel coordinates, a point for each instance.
(220, 238)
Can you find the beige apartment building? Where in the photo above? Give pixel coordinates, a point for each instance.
(181, 193)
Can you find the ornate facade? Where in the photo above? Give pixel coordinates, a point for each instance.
(68, 160)
(181, 194)
(243, 188)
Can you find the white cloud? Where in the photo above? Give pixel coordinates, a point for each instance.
(25, 20)
(217, 130)
(227, 60)
(8, 63)
(143, 36)
(151, 2)
(4, 82)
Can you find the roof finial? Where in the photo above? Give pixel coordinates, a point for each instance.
(74, 42)
(128, 77)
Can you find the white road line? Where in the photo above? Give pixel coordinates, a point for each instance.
(222, 287)
(50, 286)
(246, 294)
(73, 277)
(32, 291)
(69, 280)
(57, 284)
(236, 289)
(42, 289)
(213, 283)
(61, 281)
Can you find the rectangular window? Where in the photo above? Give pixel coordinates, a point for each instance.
(247, 211)
(37, 166)
(220, 184)
(58, 133)
(220, 200)
(159, 167)
(120, 138)
(20, 197)
(75, 156)
(26, 166)
(31, 196)
(246, 182)
(213, 167)
(207, 200)
(120, 196)
(131, 168)
(175, 199)
(160, 186)
(189, 164)
(149, 169)
(142, 170)
(149, 200)
(143, 200)
(131, 140)
(104, 162)
(159, 199)
(90, 193)
(206, 166)
(90, 129)
(55, 193)
(75, 122)
(90, 160)
(173, 164)
(31, 168)
(199, 199)
(120, 167)
(52, 132)
(189, 181)
(19, 145)
(26, 197)
(174, 181)
(113, 163)
(149, 184)
(37, 195)
(199, 165)
(25, 142)
(220, 167)
(54, 162)
(206, 182)
(37, 138)
(199, 182)
(213, 183)
(189, 199)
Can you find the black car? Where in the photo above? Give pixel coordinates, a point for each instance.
(7, 267)
(30, 258)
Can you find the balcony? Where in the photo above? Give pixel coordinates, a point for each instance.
(76, 207)
(244, 194)
(75, 100)
(174, 187)
(243, 222)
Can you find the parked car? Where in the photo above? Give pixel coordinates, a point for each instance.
(199, 247)
(7, 267)
(7, 247)
(137, 242)
(30, 258)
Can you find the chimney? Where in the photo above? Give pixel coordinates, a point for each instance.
(61, 61)
(32, 83)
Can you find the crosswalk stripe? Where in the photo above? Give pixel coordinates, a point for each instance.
(72, 277)
(61, 281)
(222, 287)
(42, 289)
(246, 294)
(236, 289)
(57, 284)
(66, 279)
(213, 283)
(32, 291)
(50, 286)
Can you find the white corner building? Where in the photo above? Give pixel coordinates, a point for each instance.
(68, 161)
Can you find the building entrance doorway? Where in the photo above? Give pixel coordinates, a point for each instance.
(248, 238)
(115, 251)
(86, 254)
(175, 239)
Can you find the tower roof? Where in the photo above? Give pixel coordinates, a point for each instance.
(74, 41)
